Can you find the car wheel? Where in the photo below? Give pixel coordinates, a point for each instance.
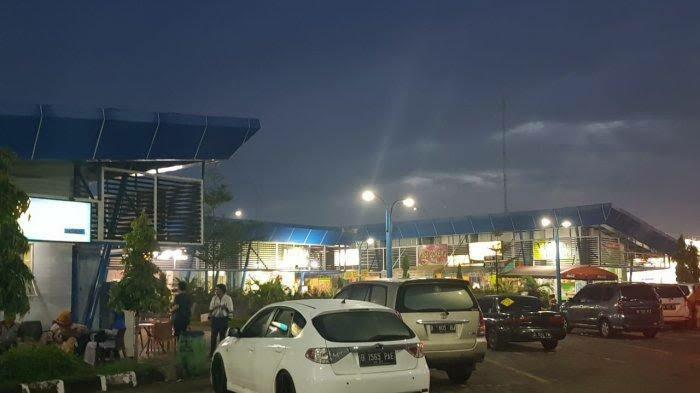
(460, 374)
(550, 344)
(218, 376)
(284, 383)
(650, 333)
(495, 341)
(568, 326)
(605, 329)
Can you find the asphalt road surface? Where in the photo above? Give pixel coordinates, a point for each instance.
(583, 362)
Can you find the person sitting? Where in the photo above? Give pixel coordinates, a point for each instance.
(9, 330)
(70, 337)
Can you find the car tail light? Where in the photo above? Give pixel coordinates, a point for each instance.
(326, 355)
(416, 350)
(482, 326)
(556, 320)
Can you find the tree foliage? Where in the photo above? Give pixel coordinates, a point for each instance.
(224, 238)
(143, 287)
(686, 257)
(15, 275)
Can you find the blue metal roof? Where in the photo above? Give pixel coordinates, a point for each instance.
(54, 132)
(601, 214)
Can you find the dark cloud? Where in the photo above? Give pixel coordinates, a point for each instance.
(602, 98)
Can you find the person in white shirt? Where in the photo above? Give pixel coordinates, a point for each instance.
(220, 311)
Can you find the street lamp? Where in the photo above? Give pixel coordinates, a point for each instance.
(369, 196)
(238, 213)
(546, 222)
(370, 241)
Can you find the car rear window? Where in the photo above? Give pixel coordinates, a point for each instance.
(637, 292)
(362, 326)
(435, 297)
(669, 291)
(685, 289)
(519, 304)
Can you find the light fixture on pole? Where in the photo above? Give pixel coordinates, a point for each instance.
(370, 241)
(369, 196)
(238, 213)
(546, 222)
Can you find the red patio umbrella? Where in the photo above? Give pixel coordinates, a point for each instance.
(587, 273)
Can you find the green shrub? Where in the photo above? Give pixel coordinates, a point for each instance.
(40, 363)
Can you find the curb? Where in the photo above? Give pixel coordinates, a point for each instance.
(127, 378)
(55, 385)
(103, 382)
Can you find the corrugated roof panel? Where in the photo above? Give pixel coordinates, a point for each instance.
(299, 235)
(426, 228)
(405, 230)
(568, 213)
(444, 227)
(502, 222)
(482, 224)
(68, 133)
(316, 236)
(523, 221)
(282, 234)
(463, 225)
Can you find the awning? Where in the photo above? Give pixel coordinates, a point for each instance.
(575, 272)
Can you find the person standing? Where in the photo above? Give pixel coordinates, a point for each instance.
(9, 330)
(220, 311)
(181, 309)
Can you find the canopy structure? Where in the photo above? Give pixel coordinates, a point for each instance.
(55, 132)
(600, 214)
(575, 272)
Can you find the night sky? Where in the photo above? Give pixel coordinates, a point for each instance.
(603, 101)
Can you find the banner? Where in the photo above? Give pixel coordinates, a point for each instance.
(433, 254)
(481, 251)
(546, 250)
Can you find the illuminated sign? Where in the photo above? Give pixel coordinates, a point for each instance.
(546, 250)
(480, 251)
(433, 254)
(56, 221)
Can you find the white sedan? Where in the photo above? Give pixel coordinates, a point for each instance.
(328, 345)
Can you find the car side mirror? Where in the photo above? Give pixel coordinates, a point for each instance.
(234, 332)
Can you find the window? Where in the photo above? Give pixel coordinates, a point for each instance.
(519, 304)
(669, 291)
(298, 323)
(281, 324)
(378, 295)
(343, 294)
(362, 326)
(359, 292)
(638, 292)
(596, 294)
(257, 327)
(584, 295)
(608, 293)
(487, 305)
(433, 296)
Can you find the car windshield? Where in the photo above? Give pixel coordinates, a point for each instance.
(362, 326)
(669, 291)
(519, 304)
(435, 297)
(637, 292)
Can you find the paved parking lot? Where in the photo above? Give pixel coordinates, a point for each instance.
(583, 362)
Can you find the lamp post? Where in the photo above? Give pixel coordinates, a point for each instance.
(369, 196)
(546, 222)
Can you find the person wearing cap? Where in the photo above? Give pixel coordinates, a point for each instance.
(9, 330)
(220, 310)
(66, 334)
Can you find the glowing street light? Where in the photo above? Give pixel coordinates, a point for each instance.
(238, 213)
(370, 241)
(546, 222)
(369, 196)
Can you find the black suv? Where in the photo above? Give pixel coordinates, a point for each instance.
(614, 307)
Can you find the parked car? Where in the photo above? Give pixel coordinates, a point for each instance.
(613, 307)
(321, 345)
(675, 306)
(689, 288)
(516, 318)
(442, 312)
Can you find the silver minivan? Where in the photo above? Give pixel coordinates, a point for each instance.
(443, 313)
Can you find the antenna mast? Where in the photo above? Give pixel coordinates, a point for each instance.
(503, 153)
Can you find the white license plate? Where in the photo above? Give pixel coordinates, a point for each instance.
(542, 334)
(669, 306)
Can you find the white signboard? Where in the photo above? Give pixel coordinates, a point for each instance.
(480, 251)
(56, 221)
